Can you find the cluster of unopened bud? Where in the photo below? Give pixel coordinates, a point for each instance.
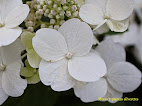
(57, 11)
(32, 19)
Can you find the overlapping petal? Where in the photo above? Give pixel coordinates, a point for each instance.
(12, 52)
(88, 68)
(111, 52)
(99, 3)
(50, 44)
(112, 94)
(78, 36)
(118, 26)
(6, 6)
(3, 95)
(12, 83)
(124, 77)
(91, 91)
(56, 74)
(8, 36)
(119, 9)
(91, 14)
(17, 16)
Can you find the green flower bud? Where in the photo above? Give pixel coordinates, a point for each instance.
(52, 21)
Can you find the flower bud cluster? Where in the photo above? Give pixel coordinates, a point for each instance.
(32, 19)
(57, 11)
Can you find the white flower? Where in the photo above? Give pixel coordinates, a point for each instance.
(121, 77)
(132, 37)
(138, 8)
(12, 14)
(66, 56)
(11, 84)
(114, 13)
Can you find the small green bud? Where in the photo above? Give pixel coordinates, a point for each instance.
(68, 13)
(65, 7)
(43, 26)
(59, 8)
(57, 17)
(51, 26)
(52, 21)
(56, 27)
(50, 15)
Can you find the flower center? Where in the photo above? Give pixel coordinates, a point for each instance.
(2, 67)
(69, 55)
(106, 17)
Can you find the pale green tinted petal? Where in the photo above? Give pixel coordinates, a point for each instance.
(34, 79)
(26, 38)
(33, 58)
(27, 72)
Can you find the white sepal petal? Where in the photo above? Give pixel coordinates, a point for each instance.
(111, 52)
(50, 44)
(118, 26)
(8, 36)
(90, 92)
(12, 83)
(112, 94)
(78, 35)
(17, 16)
(124, 77)
(56, 74)
(88, 68)
(91, 14)
(119, 9)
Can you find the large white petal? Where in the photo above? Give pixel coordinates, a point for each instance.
(88, 68)
(99, 3)
(111, 52)
(112, 94)
(118, 26)
(17, 16)
(92, 91)
(12, 83)
(50, 44)
(56, 74)
(124, 77)
(3, 95)
(12, 52)
(78, 35)
(6, 6)
(91, 14)
(119, 9)
(8, 36)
